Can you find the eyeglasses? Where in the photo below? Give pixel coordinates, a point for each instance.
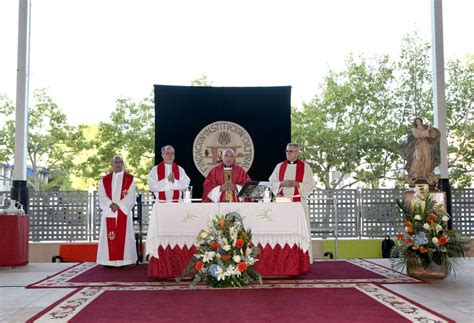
(292, 151)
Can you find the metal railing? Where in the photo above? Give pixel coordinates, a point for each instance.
(365, 213)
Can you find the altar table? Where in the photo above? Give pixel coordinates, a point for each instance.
(14, 237)
(280, 230)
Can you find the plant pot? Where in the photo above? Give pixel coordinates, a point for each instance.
(433, 271)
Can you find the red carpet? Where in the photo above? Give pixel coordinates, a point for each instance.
(322, 272)
(269, 302)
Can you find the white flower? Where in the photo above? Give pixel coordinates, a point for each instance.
(203, 234)
(406, 229)
(435, 240)
(208, 256)
(418, 217)
(445, 218)
(426, 226)
(438, 228)
(220, 273)
(226, 247)
(236, 259)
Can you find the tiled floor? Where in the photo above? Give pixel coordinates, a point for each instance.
(452, 297)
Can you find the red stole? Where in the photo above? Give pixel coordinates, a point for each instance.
(161, 175)
(299, 177)
(116, 227)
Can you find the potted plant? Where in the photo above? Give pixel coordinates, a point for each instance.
(426, 247)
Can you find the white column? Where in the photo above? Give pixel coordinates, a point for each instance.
(439, 99)
(21, 121)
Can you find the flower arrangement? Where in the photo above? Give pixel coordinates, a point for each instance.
(225, 255)
(426, 238)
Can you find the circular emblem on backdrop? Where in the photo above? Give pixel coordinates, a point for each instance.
(216, 137)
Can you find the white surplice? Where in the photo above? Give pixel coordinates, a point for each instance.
(126, 204)
(165, 185)
(305, 188)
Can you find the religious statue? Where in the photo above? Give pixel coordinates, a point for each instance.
(421, 153)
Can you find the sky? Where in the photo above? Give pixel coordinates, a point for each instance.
(87, 53)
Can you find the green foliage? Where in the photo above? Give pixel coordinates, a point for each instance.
(354, 125)
(52, 142)
(130, 133)
(201, 81)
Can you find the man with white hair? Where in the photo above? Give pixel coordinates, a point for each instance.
(225, 180)
(117, 195)
(292, 178)
(167, 180)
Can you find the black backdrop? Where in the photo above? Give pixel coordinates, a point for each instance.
(181, 112)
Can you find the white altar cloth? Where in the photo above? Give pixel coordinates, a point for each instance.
(178, 224)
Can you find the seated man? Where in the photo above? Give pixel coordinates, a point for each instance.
(292, 178)
(117, 196)
(167, 180)
(225, 180)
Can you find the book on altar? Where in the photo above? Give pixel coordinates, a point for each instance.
(255, 190)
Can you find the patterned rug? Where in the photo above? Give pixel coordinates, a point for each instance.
(348, 271)
(275, 302)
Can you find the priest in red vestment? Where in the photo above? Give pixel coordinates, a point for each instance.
(225, 180)
(168, 180)
(117, 196)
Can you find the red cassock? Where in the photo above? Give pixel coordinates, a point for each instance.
(216, 178)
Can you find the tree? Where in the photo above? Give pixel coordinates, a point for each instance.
(345, 129)
(130, 133)
(354, 124)
(52, 142)
(460, 110)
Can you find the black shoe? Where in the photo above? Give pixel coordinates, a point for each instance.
(108, 267)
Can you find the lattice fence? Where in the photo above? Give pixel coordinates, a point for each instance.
(75, 216)
(59, 216)
(462, 207)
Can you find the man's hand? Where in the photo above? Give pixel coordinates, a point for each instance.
(171, 177)
(114, 207)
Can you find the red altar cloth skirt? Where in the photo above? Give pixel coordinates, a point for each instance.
(14, 237)
(273, 262)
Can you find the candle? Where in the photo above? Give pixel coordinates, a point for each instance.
(266, 194)
(187, 195)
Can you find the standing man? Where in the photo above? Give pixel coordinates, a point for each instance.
(225, 180)
(292, 178)
(167, 180)
(117, 195)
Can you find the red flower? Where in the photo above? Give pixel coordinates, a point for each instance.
(442, 240)
(215, 245)
(423, 250)
(409, 229)
(408, 241)
(408, 223)
(239, 243)
(241, 266)
(225, 257)
(198, 265)
(431, 217)
(400, 236)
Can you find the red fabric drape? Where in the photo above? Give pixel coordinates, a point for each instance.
(273, 262)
